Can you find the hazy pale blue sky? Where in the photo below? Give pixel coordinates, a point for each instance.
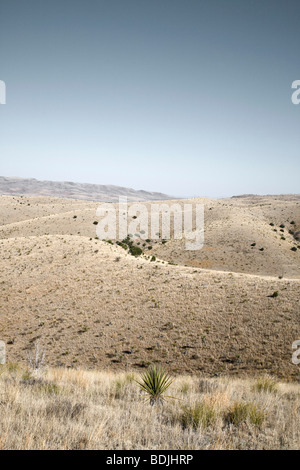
(187, 97)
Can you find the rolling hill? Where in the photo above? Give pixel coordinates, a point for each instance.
(92, 304)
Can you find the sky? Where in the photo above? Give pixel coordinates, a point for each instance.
(186, 97)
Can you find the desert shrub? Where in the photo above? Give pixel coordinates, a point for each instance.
(27, 377)
(275, 294)
(39, 384)
(200, 414)
(243, 412)
(127, 241)
(65, 409)
(153, 258)
(120, 387)
(266, 384)
(206, 386)
(49, 388)
(122, 245)
(294, 248)
(135, 250)
(185, 388)
(12, 367)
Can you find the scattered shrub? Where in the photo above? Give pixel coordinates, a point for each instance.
(242, 412)
(65, 409)
(200, 414)
(266, 384)
(135, 250)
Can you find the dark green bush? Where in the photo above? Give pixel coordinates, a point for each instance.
(135, 250)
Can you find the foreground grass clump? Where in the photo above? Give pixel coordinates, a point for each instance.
(79, 409)
(240, 413)
(200, 414)
(266, 384)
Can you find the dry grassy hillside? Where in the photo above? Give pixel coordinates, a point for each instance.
(93, 304)
(253, 234)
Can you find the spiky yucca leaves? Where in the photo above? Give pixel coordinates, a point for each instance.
(155, 381)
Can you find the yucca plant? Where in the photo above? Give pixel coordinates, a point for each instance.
(154, 382)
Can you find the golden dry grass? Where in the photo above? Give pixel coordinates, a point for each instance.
(79, 409)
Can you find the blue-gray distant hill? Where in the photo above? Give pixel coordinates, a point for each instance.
(66, 189)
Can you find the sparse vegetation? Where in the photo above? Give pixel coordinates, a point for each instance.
(242, 412)
(266, 384)
(200, 414)
(135, 250)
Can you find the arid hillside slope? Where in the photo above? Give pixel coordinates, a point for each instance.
(251, 234)
(93, 304)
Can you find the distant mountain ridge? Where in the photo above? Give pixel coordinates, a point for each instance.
(14, 186)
